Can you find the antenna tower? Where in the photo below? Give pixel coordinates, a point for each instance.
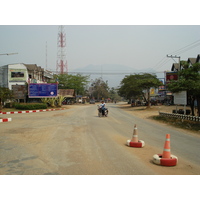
(61, 66)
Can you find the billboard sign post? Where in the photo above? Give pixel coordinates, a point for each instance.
(181, 98)
(42, 90)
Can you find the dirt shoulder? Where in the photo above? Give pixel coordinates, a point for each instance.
(144, 112)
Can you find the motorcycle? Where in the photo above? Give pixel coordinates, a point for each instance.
(101, 112)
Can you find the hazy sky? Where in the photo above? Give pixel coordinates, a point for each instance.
(138, 35)
(136, 46)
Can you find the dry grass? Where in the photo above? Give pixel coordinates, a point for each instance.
(153, 113)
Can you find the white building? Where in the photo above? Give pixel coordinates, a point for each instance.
(20, 74)
(14, 74)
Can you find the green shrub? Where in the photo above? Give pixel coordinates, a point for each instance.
(35, 106)
(8, 105)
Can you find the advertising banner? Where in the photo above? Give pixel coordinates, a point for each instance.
(39, 90)
(162, 81)
(16, 75)
(171, 76)
(180, 98)
(152, 91)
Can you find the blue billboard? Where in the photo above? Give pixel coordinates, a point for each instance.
(39, 90)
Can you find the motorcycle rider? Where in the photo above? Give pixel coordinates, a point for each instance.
(103, 107)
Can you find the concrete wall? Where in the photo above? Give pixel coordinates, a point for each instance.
(4, 76)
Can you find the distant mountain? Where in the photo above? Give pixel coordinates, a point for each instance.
(112, 73)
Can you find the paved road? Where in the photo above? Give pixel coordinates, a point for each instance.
(77, 141)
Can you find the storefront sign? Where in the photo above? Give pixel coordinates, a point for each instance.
(171, 76)
(16, 75)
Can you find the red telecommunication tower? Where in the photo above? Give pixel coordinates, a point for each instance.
(61, 66)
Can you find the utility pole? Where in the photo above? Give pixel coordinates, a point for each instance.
(171, 56)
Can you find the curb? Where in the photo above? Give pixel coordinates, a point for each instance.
(30, 111)
(6, 120)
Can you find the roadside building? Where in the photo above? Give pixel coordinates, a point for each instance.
(176, 67)
(69, 95)
(198, 59)
(20, 74)
(17, 76)
(35, 73)
(48, 75)
(191, 61)
(13, 74)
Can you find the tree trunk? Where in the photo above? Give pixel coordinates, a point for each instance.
(148, 98)
(192, 105)
(144, 97)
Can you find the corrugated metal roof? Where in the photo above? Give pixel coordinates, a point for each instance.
(66, 92)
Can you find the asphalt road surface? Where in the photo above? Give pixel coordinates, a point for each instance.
(76, 141)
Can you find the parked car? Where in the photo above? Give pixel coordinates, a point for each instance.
(92, 101)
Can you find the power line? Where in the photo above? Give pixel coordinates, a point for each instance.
(164, 60)
(187, 47)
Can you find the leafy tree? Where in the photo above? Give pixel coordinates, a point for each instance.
(135, 85)
(113, 94)
(45, 100)
(184, 64)
(52, 101)
(100, 89)
(128, 87)
(189, 80)
(5, 94)
(76, 82)
(60, 99)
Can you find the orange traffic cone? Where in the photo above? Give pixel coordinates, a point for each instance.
(135, 135)
(166, 150)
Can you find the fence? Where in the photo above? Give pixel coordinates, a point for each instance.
(180, 116)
